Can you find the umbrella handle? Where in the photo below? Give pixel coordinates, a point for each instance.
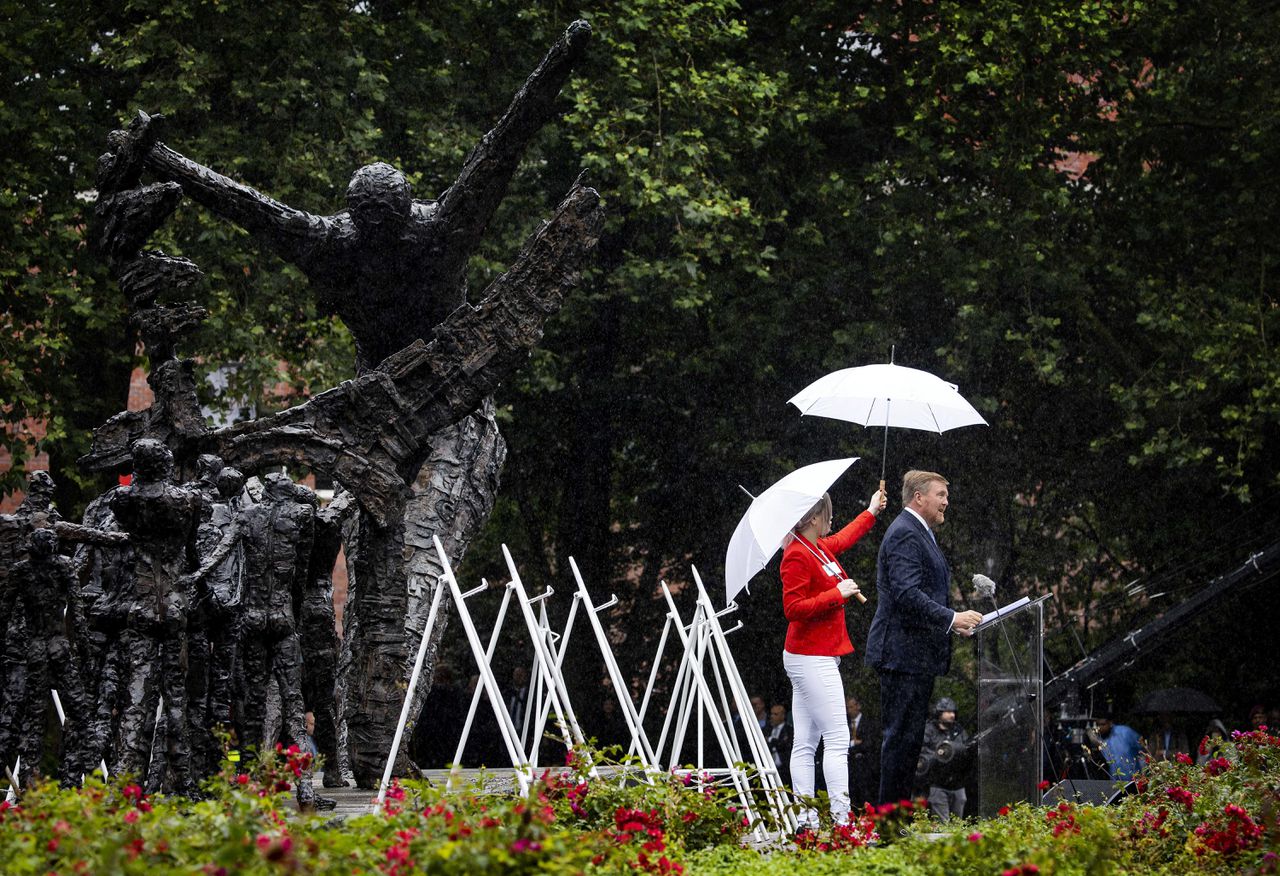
(882, 486)
(858, 596)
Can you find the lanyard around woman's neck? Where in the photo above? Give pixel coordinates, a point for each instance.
(828, 563)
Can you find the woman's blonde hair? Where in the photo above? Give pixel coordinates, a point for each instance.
(823, 506)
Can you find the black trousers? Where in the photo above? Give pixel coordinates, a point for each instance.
(904, 709)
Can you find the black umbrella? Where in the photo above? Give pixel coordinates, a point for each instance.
(1177, 701)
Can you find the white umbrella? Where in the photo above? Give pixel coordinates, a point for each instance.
(771, 516)
(888, 395)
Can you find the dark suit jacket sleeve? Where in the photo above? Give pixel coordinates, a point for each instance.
(904, 559)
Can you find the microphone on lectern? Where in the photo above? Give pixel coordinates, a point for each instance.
(984, 586)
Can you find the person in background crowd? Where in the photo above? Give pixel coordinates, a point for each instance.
(518, 697)
(864, 754)
(945, 758)
(1168, 740)
(309, 722)
(761, 713)
(1214, 743)
(780, 739)
(1121, 746)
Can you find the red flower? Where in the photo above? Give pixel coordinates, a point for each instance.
(1002, 811)
(1044, 786)
(242, 779)
(1183, 796)
(1217, 766)
(1184, 758)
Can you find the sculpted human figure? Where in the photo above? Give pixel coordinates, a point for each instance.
(388, 265)
(393, 268)
(318, 634)
(208, 619)
(161, 519)
(221, 592)
(106, 573)
(12, 682)
(35, 512)
(277, 535)
(45, 589)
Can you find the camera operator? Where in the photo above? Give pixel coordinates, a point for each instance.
(944, 761)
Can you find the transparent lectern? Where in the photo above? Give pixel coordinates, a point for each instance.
(1010, 731)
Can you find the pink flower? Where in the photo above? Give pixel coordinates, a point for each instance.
(975, 837)
(1184, 758)
(131, 816)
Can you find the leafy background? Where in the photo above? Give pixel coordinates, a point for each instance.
(1068, 210)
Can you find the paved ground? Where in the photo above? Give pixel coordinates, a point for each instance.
(359, 801)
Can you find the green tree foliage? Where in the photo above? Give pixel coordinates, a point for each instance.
(1066, 208)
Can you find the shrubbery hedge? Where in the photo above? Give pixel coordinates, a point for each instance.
(1219, 817)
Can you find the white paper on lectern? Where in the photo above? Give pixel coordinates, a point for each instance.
(1003, 610)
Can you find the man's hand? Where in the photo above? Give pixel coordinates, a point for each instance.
(964, 622)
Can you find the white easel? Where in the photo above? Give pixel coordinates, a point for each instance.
(635, 724)
(549, 692)
(706, 652)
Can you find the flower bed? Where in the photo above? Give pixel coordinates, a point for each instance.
(1221, 817)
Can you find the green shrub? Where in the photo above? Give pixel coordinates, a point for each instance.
(1220, 817)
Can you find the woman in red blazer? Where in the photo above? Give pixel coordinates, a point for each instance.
(814, 591)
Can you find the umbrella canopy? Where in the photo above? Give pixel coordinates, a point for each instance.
(1177, 701)
(888, 395)
(771, 516)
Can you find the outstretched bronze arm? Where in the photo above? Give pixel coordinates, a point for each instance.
(467, 206)
(74, 532)
(293, 234)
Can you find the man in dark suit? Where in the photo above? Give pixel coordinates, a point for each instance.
(909, 642)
